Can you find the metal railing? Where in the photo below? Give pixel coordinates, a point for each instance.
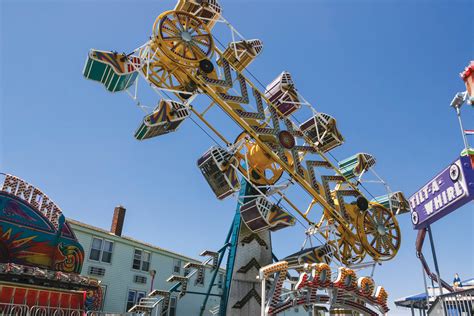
(102, 313)
(458, 303)
(14, 309)
(25, 310)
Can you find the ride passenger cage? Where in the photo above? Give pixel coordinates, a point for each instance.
(260, 214)
(282, 94)
(397, 201)
(209, 11)
(216, 166)
(116, 71)
(318, 254)
(356, 165)
(167, 117)
(322, 130)
(240, 54)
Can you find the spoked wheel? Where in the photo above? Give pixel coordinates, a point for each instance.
(261, 167)
(183, 38)
(351, 252)
(347, 247)
(158, 73)
(350, 249)
(162, 77)
(379, 232)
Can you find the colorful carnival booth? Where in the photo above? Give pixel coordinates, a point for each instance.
(40, 257)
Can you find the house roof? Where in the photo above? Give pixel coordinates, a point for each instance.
(419, 300)
(134, 241)
(416, 301)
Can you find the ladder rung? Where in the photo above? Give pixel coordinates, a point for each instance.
(208, 253)
(193, 265)
(177, 278)
(159, 293)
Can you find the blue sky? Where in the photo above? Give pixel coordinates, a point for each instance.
(386, 70)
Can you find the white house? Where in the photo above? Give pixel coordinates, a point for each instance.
(126, 266)
(128, 269)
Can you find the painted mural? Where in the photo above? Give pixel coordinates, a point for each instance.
(29, 237)
(35, 235)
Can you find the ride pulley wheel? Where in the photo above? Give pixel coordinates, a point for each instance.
(350, 247)
(159, 74)
(183, 38)
(351, 251)
(379, 232)
(346, 245)
(253, 161)
(206, 66)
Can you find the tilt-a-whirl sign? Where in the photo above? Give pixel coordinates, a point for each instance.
(448, 191)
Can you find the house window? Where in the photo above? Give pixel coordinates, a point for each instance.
(187, 271)
(220, 282)
(141, 260)
(133, 298)
(137, 259)
(146, 261)
(177, 266)
(97, 271)
(96, 249)
(101, 250)
(172, 307)
(107, 251)
(139, 279)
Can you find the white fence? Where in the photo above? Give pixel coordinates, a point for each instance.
(24, 310)
(459, 303)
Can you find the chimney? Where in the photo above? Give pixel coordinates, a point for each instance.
(117, 220)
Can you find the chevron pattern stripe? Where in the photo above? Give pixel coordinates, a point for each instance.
(256, 237)
(251, 294)
(251, 264)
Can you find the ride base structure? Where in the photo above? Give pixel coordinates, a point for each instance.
(277, 160)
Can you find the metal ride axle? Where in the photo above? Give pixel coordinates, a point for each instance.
(263, 132)
(247, 128)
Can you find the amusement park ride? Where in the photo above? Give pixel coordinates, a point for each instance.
(448, 190)
(278, 163)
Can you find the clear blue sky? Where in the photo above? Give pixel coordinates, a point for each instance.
(386, 70)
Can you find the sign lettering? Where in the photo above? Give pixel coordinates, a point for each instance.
(33, 196)
(448, 191)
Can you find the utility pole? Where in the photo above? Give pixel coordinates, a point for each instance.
(457, 102)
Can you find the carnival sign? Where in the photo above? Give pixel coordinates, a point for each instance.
(33, 196)
(448, 191)
(33, 230)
